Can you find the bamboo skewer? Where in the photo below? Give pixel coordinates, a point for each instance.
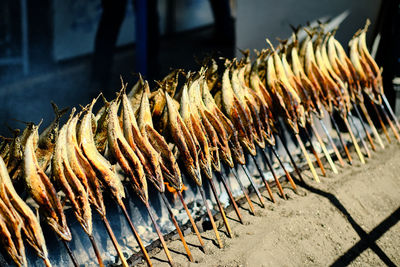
(344, 146)
(287, 174)
(351, 122)
(365, 128)
(253, 184)
(160, 236)
(381, 122)
(353, 139)
(305, 153)
(96, 251)
(71, 255)
(210, 216)
(137, 237)
(221, 209)
(321, 166)
(326, 153)
(178, 229)
(396, 133)
(115, 242)
(232, 199)
(244, 191)
(386, 102)
(371, 124)
(278, 184)
(196, 230)
(337, 153)
(266, 182)
(291, 158)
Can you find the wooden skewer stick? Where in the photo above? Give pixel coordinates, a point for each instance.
(290, 157)
(115, 242)
(71, 255)
(387, 105)
(353, 139)
(254, 185)
(266, 182)
(305, 153)
(344, 146)
(47, 262)
(396, 133)
(381, 122)
(337, 153)
(244, 191)
(221, 209)
(365, 128)
(137, 237)
(271, 169)
(326, 153)
(96, 251)
(287, 174)
(319, 162)
(196, 230)
(371, 124)
(178, 229)
(352, 123)
(160, 236)
(210, 216)
(229, 191)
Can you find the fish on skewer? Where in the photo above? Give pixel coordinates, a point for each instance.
(31, 227)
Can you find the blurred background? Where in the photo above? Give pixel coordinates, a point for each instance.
(67, 51)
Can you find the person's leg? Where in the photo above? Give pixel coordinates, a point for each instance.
(106, 38)
(223, 21)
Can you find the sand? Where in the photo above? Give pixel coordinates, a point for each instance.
(349, 218)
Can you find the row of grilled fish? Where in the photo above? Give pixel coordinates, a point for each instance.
(209, 121)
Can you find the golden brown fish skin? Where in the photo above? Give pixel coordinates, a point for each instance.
(100, 135)
(33, 231)
(100, 165)
(135, 139)
(169, 167)
(184, 141)
(10, 230)
(82, 168)
(71, 186)
(125, 155)
(43, 192)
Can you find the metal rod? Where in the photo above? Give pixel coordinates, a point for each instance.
(337, 153)
(290, 157)
(365, 128)
(381, 122)
(371, 124)
(326, 153)
(160, 236)
(353, 139)
(96, 251)
(278, 184)
(243, 190)
(396, 133)
(221, 209)
(196, 230)
(305, 153)
(352, 123)
(287, 174)
(387, 105)
(319, 162)
(232, 199)
(254, 185)
(266, 182)
(178, 229)
(136, 235)
(344, 146)
(114, 241)
(210, 216)
(71, 255)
